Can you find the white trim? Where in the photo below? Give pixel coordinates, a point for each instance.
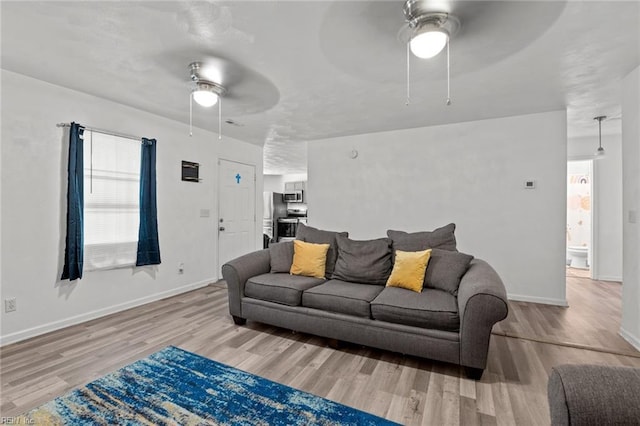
(534, 299)
(595, 217)
(609, 278)
(56, 325)
(581, 157)
(633, 340)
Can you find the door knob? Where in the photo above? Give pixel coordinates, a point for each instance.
(221, 228)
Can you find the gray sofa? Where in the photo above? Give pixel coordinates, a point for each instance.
(446, 324)
(594, 395)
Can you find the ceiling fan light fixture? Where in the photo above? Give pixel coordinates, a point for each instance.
(429, 41)
(205, 95)
(426, 32)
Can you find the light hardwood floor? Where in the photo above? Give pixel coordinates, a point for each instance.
(591, 321)
(405, 389)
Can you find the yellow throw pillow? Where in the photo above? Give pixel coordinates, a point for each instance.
(309, 259)
(408, 270)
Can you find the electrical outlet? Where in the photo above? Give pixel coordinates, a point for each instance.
(181, 268)
(10, 305)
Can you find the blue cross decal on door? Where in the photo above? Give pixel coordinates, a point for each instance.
(238, 177)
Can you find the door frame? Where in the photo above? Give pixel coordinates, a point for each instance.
(593, 250)
(255, 208)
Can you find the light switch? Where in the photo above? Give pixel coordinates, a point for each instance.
(205, 212)
(633, 216)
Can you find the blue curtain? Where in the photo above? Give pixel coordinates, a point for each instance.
(73, 252)
(148, 246)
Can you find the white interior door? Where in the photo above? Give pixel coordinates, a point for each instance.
(236, 210)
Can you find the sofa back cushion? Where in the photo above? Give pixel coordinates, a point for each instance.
(366, 262)
(441, 238)
(281, 256)
(445, 270)
(317, 236)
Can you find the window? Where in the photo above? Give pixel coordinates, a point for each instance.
(111, 200)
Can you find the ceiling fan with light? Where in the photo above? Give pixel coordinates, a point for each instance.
(427, 32)
(212, 79)
(206, 93)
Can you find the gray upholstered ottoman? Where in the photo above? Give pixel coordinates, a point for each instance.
(594, 395)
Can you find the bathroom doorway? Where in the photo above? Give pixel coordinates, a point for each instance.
(579, 233)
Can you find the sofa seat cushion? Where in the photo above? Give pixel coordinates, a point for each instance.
(435, 309)
(342, 297)
(280, 288)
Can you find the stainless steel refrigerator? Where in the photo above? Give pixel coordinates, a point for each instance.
(274, 208)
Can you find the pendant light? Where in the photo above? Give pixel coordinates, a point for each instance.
(600, 151)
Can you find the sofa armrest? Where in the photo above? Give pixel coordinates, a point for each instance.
(236, 273)
(594, 395)
(482, 302)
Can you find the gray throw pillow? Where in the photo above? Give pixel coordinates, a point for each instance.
(310, 234)
(367, 262)
(442, 238)
(445, 270)
(281, 256)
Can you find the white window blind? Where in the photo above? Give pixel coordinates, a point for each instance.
(111, 201)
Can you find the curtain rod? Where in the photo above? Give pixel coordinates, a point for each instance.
(104, 132)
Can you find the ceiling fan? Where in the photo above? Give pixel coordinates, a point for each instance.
(205, 92)
(212, 80)
(474, 31)
(427, 32)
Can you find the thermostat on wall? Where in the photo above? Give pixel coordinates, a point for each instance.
(529, 184)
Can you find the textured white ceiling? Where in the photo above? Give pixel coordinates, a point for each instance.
(300, 70)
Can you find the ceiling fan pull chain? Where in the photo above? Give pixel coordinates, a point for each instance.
(408, 76)
(190, 114)
(220, 118)
(448, 76)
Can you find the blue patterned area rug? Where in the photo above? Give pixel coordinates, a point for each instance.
(174, 386)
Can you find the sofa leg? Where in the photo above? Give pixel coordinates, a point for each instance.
(474, 373)
(239, 320)
(335, 344)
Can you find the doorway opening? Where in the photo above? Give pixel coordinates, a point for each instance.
(579, 232)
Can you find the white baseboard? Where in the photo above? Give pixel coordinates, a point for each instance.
(633, 340)
(56, 325)
(534, 299)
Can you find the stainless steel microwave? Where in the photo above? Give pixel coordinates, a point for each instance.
(292, 197)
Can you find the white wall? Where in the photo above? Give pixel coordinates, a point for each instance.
(607, 200)
(274, 183)
(630, 327)
(469, 173)
(33, 212)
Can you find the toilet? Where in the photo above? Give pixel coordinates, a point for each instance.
(578, 256)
